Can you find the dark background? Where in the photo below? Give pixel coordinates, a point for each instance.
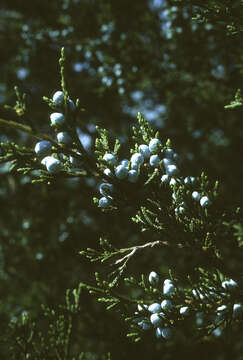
(123, 56)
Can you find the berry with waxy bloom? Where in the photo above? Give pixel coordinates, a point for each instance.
(154, 160)
(172, 181)
(124, 162)
(104, 202)
(108, 172)
(184, 310)
(154, 308)
(57, 119)
(52, 164)
(157, 319)
(176, 157)
(189, 180)
(205, 202)
(121, 172)
(192, 179)
(155, 145)
(229, 284)
(110, 158)
(144, 150)
(43, 148)
(58, 98)
(168, 288)
(64, 138)
(165, 179)
(153, 278)
(222, 308)
(132, 176)
(168, 161)
(171, 170)
(144, 325)
(169, 153)
(237, 311)
(137, 159)
(196, 195)
(166, 305)
(217, 332)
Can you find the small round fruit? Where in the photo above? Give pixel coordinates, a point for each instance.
(154, 308)
(237, 311)
(52, 164)
(154, 160)
(144, 325)
(205, 202)
(144, 150)
(110, 158)
(58, 98)
(155, 145)
(137, 158)
(196, 195)
(124, 162)
(57, 119)
(121, 172)
(176, 157)
(172, 170)
(184, 310)
(168, 161)
(43, 148)
(222, 308)
(168, 289)
(108, 172)
(165, 179)
(64, 138)
(104, 202)
(169, 153)
(229, 284)
(132, 176)
(156, 319)
(166, 305)
(172, 181)
(153, 278)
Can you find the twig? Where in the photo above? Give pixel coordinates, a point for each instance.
(132, 250)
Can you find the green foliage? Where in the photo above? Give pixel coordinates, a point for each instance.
(178, 63)
(56, 341)
(238, 101)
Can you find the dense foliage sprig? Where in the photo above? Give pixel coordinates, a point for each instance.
(175, 211)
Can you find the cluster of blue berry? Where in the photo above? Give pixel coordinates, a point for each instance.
(129, 170)
(44, 147)
(161, 315)
(189, 182)
(151, 156)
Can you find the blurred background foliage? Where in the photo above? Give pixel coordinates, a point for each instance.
(177, 62)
